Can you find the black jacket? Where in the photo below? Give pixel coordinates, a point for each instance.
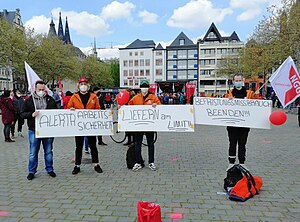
(28, 108)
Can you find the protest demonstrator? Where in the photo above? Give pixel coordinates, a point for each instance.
(96, 90)
(238, 135)
(129, 135)
(144, 98)
(8, 112)
(39, 100)
(18, 103)
(84, 99)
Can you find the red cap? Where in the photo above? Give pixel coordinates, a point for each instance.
(83, 80)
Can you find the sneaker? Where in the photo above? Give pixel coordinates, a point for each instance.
(13, 136)
(9, 140)
(102, 144)
(230, 165)
(137, 167)
(20, 135)
(76, 170)
(52, 174)
(87, 151)
(30, 176)
(98, 169)
(244, 165)
(152, 166)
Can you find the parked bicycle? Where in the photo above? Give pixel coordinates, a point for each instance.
(120, 137)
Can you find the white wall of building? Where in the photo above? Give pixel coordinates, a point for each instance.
(210, 55)
(159, 65)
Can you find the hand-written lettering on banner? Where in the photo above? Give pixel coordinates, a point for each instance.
(231, 102)
(150, 116)
(70, 119)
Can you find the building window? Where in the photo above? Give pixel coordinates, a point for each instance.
(136, 82)
(182, 74)
(141, 53)
(141, 72)
(125, 72)
(172, 54)
(158, 62)
(130, 72)
(131, 82)
(130, 63)
(192, 74)
(171, 64)
(147, 61)
(206, 62)
(136, 62)
(125, 82)
(206, 72)
(192, 53)
(172, 75)
(136, 72)
(130, 53)
(182, 54)
(158, 53)
(222, 51)
(207, 51)
(192, 63)
(136, 53)
(158, 72)
(181, 41)
(125, 63)
(182, 64)
(141, 62)
(211, 35)
(147, 72)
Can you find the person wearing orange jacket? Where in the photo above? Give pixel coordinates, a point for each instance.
(144, 98)
(238, 135)
(84, 99)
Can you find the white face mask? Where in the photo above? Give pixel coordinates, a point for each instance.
(144, 91)
(40, 93)
(83, 88)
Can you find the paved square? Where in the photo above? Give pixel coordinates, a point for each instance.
(190, 175)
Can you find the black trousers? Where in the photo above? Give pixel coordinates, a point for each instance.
(138, 138)
(20, 124)
(130, 137)
(79, 146)
(6, 131)
(237, 136)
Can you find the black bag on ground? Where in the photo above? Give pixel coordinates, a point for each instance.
(130, 158)
(234, 174)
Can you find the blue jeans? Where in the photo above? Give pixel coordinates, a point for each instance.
(34, 147)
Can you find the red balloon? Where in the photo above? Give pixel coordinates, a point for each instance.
(123, 97)
(278, 117)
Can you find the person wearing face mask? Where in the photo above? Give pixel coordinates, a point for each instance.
(18, 103)
(58, 98)
(37, 101)
(238, 135)
(84, 99)
(144, 98)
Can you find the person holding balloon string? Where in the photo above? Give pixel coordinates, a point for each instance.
(142, 98)
(238, 135)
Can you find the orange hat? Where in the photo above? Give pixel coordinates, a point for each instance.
(83, 80)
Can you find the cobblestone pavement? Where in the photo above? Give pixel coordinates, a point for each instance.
(190, 175)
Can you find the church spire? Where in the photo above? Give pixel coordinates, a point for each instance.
(60, 28)
(95, 48)
(52, 31)
(67, 37)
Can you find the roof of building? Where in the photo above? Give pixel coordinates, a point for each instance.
(137, 44)
(182, 36)
(159, 47)
(52, 30)
(60, 31)
(67, 37)
(11, 16)
(217, 36)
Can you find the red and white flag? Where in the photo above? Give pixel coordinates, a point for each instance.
(286, 82)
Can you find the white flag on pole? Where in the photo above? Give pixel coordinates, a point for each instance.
(286, 82)
(32, 77)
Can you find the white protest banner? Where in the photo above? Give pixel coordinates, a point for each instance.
(250, 113)
(162, 118)
(65, 122)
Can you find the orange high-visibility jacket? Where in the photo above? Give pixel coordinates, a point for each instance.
(250, 94)
(75, 102)
(139, 100)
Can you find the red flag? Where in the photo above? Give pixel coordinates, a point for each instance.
(60, 86)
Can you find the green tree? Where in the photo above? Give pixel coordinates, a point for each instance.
(51, 58)
(115, 72)
(97, 72)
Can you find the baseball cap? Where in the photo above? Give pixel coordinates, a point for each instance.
(144, 84)
(83, 80)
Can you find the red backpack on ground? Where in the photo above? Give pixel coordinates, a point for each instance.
(148, 212)
(246, 187)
